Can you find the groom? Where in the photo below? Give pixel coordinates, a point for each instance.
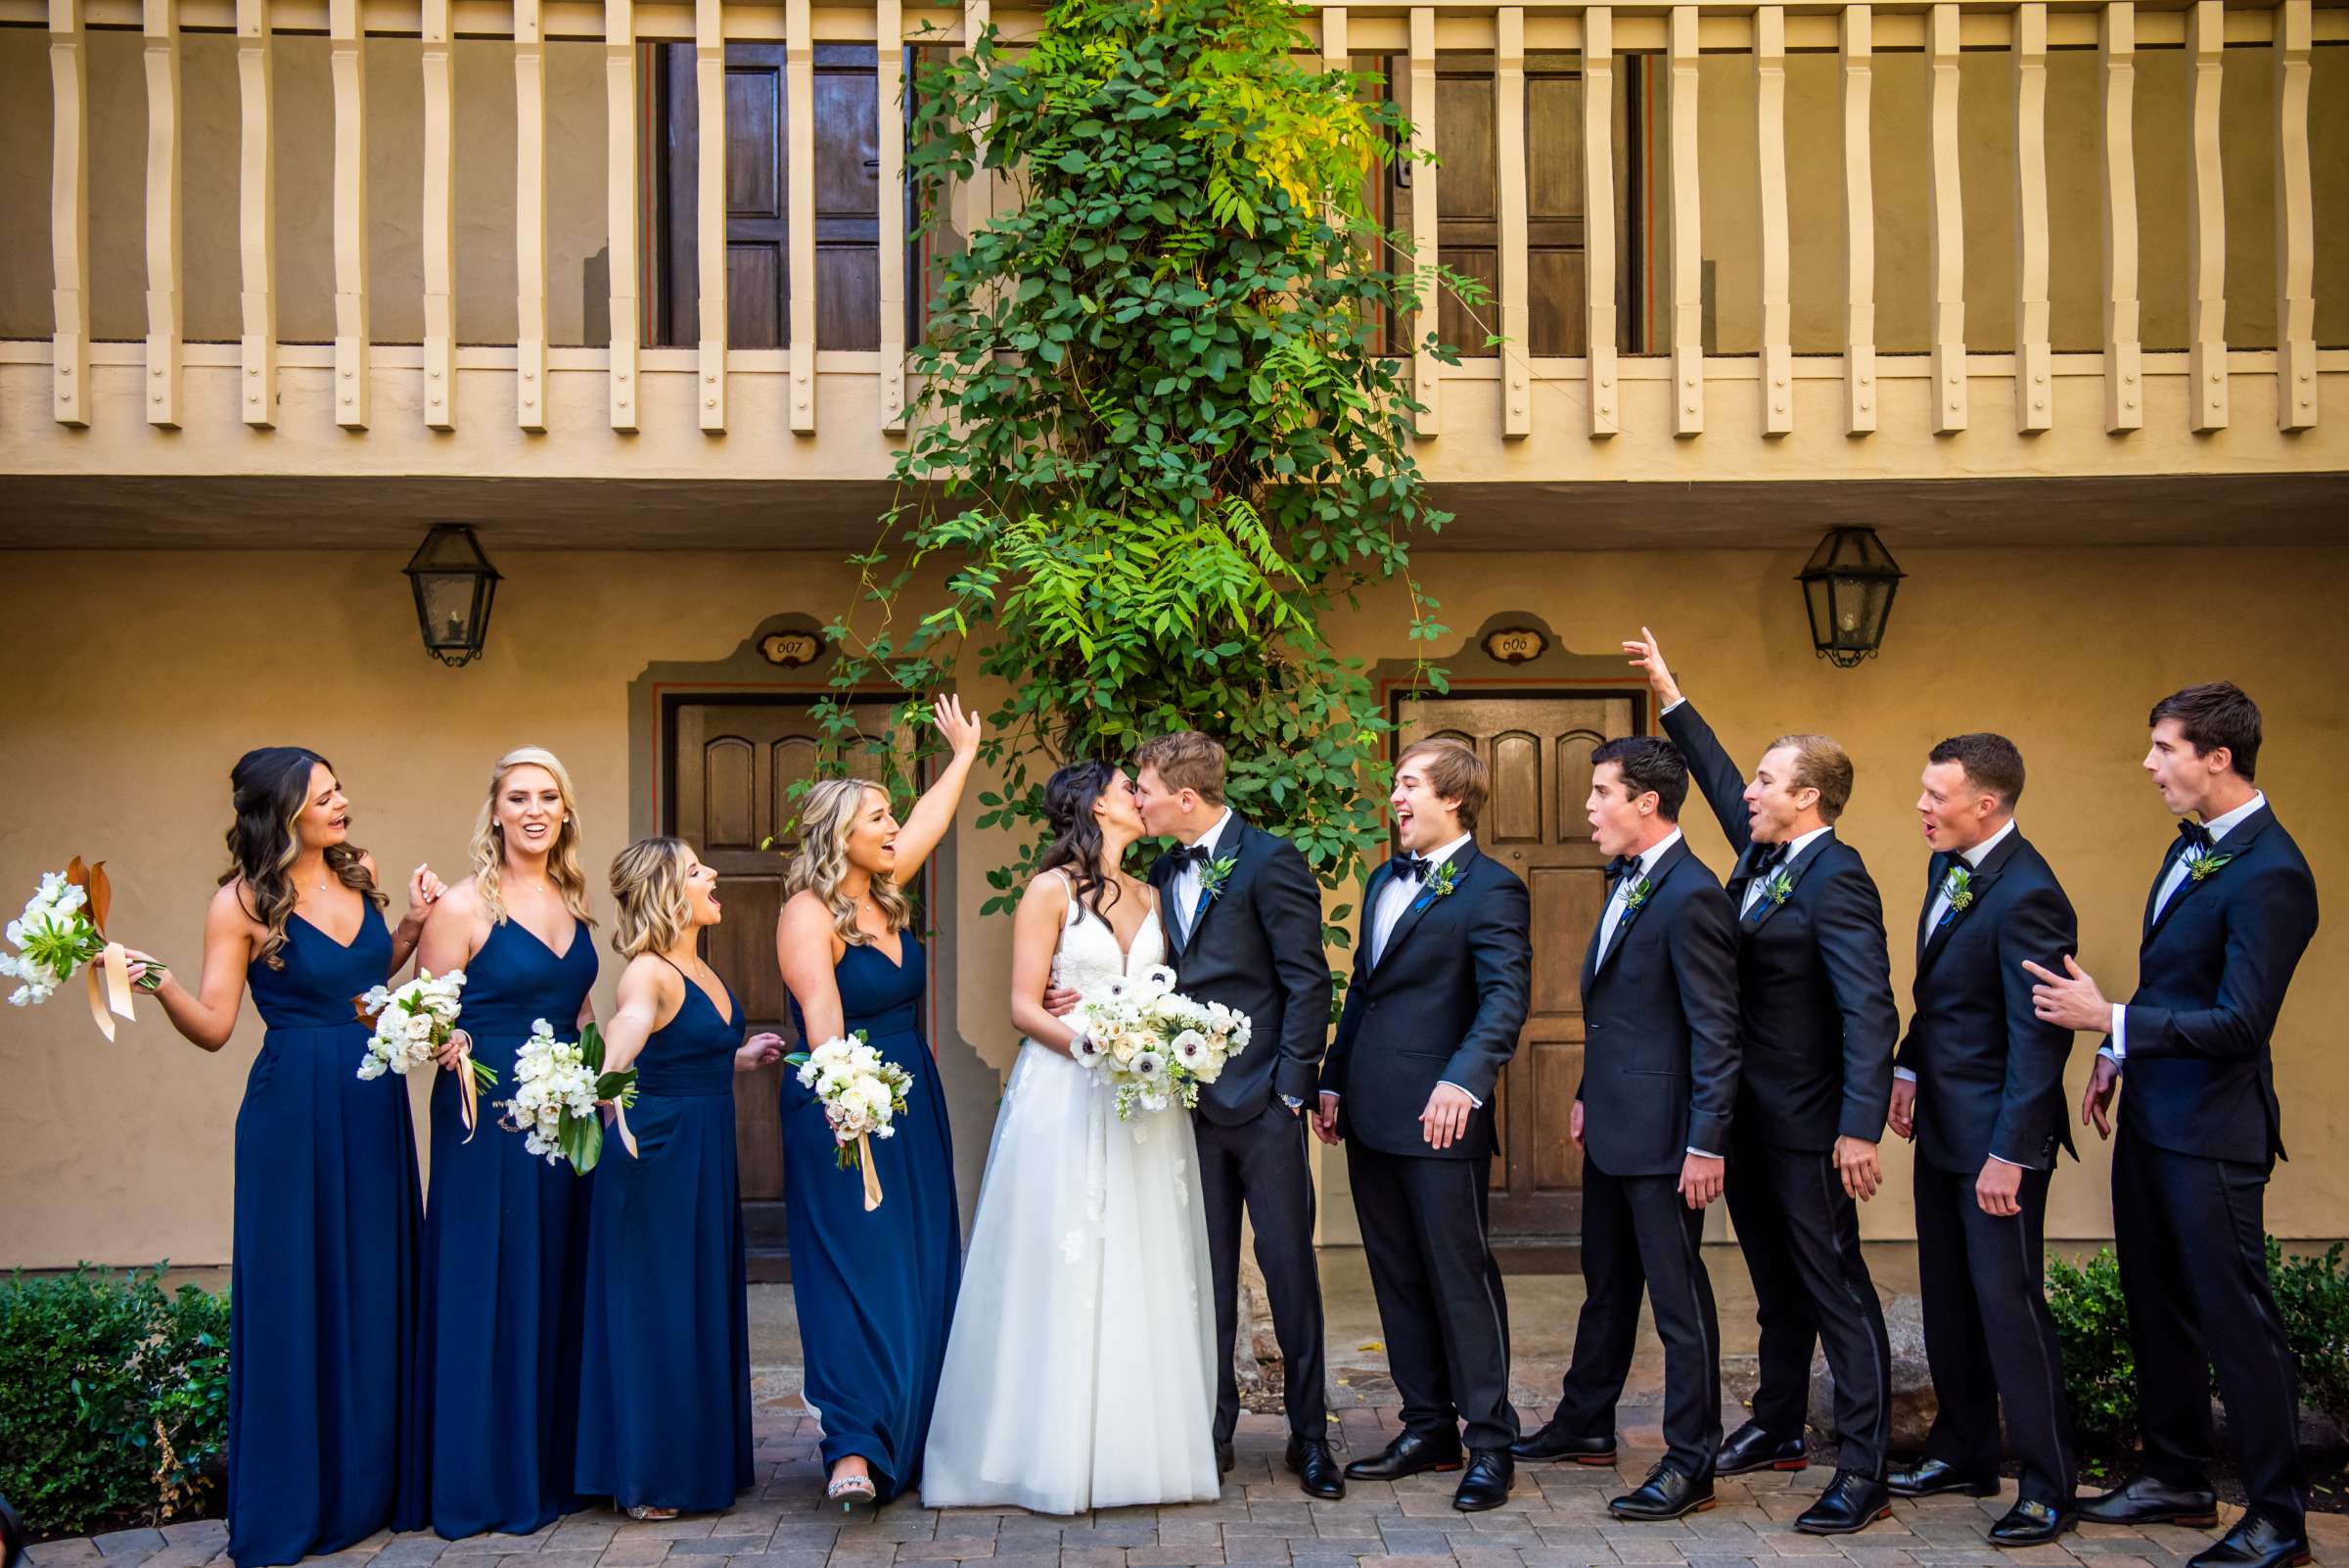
(1242, 916)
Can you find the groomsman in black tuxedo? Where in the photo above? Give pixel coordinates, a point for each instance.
(2231, 909)
(1442, 980)
(1242, 916)
(1818, 1027)
(1980, 1091)
(1653, 1117)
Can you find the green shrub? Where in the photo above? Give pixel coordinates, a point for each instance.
(2313, 1295)
(114, 1398)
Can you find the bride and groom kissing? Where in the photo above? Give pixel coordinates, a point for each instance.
(1099, 1378)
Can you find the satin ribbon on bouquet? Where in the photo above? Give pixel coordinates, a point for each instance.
(872, 1177)
(110, 971)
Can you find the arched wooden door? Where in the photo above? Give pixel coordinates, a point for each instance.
(1538, 750)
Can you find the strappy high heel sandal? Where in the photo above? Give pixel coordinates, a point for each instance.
(649, 1511)
(853, 1492)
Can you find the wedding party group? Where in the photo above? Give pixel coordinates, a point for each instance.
(566, 1321)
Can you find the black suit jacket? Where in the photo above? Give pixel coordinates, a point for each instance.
(1257, 947)
(1989, 1071)
(1813, 978)
(1660, 1025)
(2212, 971)
(1444, 1004)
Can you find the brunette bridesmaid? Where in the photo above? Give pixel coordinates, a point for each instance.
(504, 1251)
(322, 1302)
(665, 1392)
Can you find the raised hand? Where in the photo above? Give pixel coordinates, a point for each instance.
(959, 729)
(1647, 657)
(424, 891)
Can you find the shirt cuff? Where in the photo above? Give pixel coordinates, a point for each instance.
(2118, 1049)
(1472, 1100)
(1677, 702)
(1702, 1154)
(2003, 1160)
(1904, 1074)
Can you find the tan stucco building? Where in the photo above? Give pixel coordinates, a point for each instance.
(2055, 298)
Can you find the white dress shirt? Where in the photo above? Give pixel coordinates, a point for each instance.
(1757, 886)
(1973, 860)
(1185, 886)
(2218, 827)
(1396, 896)
(1620, 900)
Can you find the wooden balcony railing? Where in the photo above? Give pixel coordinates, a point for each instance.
(1682, 392)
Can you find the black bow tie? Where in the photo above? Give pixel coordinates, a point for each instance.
(1192, 855)
(1623, 865)
(1413, 867)
(2197, 836)
(1769, 858)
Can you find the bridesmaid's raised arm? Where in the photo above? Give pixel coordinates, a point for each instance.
(934, 813)
(805, 939)
(1034, 938)
(207, 1015)
(424, 891)
(651, 991)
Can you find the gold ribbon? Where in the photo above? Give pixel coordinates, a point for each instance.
(872, 1177)
(110, 975)
(470, 1089)
(620, 1120)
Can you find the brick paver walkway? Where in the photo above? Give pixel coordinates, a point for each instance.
(1556, 1519)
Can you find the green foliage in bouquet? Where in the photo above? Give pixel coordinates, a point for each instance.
(1159, 434)
(113, 1399)
(583, 1135)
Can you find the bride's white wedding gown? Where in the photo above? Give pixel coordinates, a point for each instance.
(1080, 1372)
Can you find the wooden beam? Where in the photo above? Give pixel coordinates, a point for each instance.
(620, 191)
(710, 94)
(2124, 352)
(1858, 223)
(257, 212)
(1946, 225)
(799, 90)
(69, 213)
(889, 99)
(1426, 232)
(1770, 187)
(349, 65)
(2034, 359)
(161, 23)
(1517, 259)
(1687, 231)
(529, 216)
(2295, 223)
(439, 218)
(2206, 218)
(1598, 215)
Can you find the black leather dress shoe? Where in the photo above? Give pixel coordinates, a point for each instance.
(1930, 1478)
(2145, 1501)
(1408, 1454)
(1852, 1502)
(1750, 1448)
(2030, 1524)
(1666, 1494)
(1554, 1442)
(2255, 1543)
(1315, 1468)
(1487, 1483)
(1227, 1459)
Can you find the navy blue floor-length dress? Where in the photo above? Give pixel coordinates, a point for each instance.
(504, 1260)
(664, 1390)
(875, 1291)
(322, 1300)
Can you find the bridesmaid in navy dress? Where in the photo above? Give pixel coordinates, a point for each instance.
(504, 1251)
(664, 1388)
(875, 1291)
(322, 1302)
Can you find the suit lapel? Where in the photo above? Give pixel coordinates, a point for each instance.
(1666, 863)
(2234, 846)
(1937, 871)
(1425, 899)
(1978, 882)
(1793, 870)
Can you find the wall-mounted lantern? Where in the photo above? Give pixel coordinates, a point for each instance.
(454, 585)
(1848, 586)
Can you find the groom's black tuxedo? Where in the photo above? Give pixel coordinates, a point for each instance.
(1443, 1002)
(1817, 1027)
(2199, 1131)
(1659, 1079)
(1254, 944)
(1990, 1085)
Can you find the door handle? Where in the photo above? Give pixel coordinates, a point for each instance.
(1516, 854)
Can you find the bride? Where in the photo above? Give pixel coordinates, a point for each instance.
(1079, 1373)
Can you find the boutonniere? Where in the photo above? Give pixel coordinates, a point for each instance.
(2205, 864)
(1440, 881)
(1215, 874)
(1637, 896)
(1779, 889)
(1962, 890)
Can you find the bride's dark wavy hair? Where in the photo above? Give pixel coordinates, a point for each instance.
(269, 788)
(1069, 796)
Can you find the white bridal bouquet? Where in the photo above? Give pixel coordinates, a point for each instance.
(62, 933)
(1152, 1043)
(861, 1095)
(411, 1025)
(557, 1088)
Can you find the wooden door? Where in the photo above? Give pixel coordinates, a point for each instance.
(732, 765)
(1539, 752)
(847, 198)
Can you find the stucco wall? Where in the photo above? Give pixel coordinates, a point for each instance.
(167, 666)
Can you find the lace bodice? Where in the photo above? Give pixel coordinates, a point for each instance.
(1089, 956)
